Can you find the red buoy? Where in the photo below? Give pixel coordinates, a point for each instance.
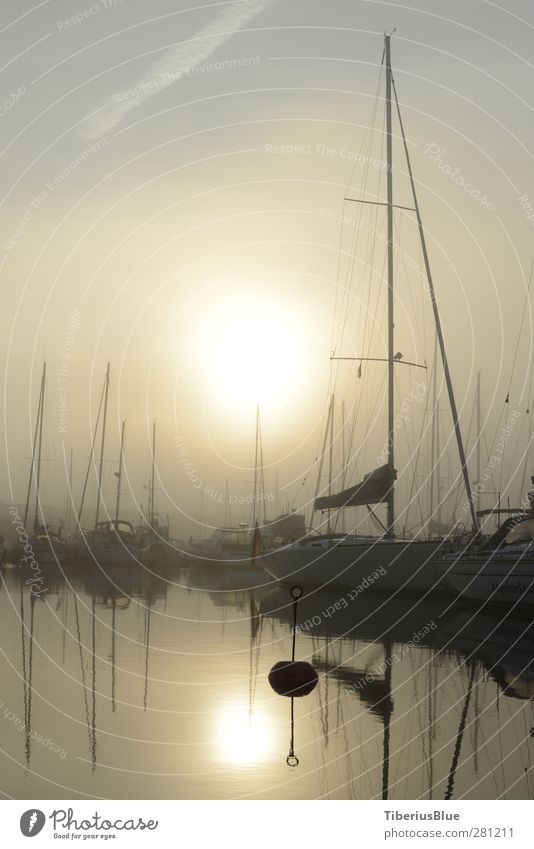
(293, 678)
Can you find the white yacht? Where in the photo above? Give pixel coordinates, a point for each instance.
(499, 572)
(346, 561)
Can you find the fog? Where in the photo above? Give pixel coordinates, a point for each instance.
(188, 230)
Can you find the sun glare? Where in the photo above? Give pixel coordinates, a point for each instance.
(252, 353)
(243, 739)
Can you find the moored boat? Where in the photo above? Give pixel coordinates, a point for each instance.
(346, 560)
(500, 571)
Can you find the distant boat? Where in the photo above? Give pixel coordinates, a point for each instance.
(111, 542)
(47, 546)
(153, 535)
(345, 560)
(234, 544)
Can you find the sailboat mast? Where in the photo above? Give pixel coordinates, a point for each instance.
(433, 431)
(391, 362)
(479, 427)
(34, 450)
(151, 496)
(343, 458)
(101, 461)
(68, 508)
(330, 458)
(39, 450)
(119, 475)
(255, 494)
(439, 330)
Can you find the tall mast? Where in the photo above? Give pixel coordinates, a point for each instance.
(101, 461)
(439, 330)
(435, 451)
(256, 452)
(68, 508)
(438, 467)
(343, 459)
(330, 457)
(227, 519)
(38, 476)
(119, 475)
(34, 450)
(391, 362)
(151, 510)
(479, 427)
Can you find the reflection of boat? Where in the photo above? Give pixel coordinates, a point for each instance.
(505, 648)
(346, 561)
(368, 617)
(227, 576)
(501, 571)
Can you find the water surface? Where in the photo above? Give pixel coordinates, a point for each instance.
(153, 684)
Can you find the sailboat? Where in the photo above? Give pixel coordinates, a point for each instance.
(46, 546)
(233, 544)
(153, 534)
(112, 541)
(501, 570)
(347, 560)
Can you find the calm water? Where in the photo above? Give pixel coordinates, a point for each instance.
(154, 685)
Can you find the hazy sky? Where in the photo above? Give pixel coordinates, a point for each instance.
(172, 176)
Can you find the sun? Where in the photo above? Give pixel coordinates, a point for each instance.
(253, 352)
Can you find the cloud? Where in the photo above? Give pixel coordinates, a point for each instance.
(172, 66)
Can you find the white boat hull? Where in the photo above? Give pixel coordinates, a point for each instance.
(400, 565)
(494, 579)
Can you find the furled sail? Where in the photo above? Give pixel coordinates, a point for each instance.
(373, 489)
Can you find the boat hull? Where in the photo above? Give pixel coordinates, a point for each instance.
(44, 551)
(112, 553)
(491, 579)
(404, 566)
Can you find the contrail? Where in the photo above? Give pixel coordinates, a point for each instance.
(174, 64)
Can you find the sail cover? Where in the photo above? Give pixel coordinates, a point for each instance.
(373, 489)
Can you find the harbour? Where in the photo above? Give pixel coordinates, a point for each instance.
(267, 502)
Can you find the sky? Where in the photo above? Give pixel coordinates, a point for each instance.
(172, 183)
